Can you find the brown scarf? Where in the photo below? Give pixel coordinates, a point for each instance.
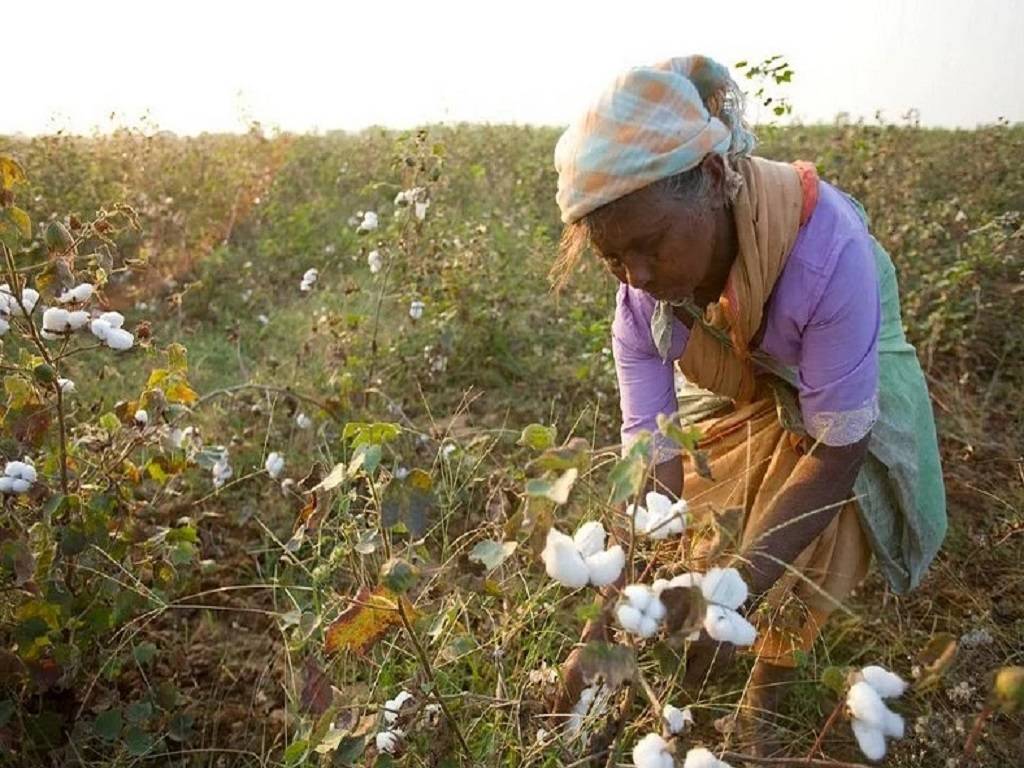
(775, 199)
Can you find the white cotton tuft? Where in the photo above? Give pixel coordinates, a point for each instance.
(727, 626)
(640, 611)
(387, 741)
(870, 740)
(141, 417)
(373, 258)
(302, 421)
(20, 470)
(606, 566)
(725, 587)
(416, 310)
(29, 297)
(56, 320)
(118, 339)
(865, 704)
(113, 319)
(309, 278)
(78, 319)
(67, 386)
(369, 223)
(222, 471)
(886, 684)
(421, 209)
(563, 562)
(274, 464)
(392, 707)
(676, 719)
(589, 538)
(682, 580)
(652, 752)
(78, 295)
(592, 703)
(6, 484)
(100, 328)
(661, 517)
(702, 758)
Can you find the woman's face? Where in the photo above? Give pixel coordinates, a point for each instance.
(666, 247)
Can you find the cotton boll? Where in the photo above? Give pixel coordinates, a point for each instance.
(20, 470)
(119, 339)
(79, 294)
(640, 517)
(302, 421)
(870, 740)
(727, 626)
(702, 758)
(640, 611)
(78, 319)
(29, 297)
(886, 684)
(100, 328)
(638, 595)
(652, 752)
(392, 707)
(865, 704)
(141, 417)
(7, 484)
(421, 210)
(56, 320)
(563, 562)
(274, 464)
(724, 586)
(894, 725)
(676, 719)
(369, 223)
(589, 538)
(113, 319)
(682, 580)
(373, 258)
(20, 486)
(605, 567)
(387, 741)
(416, 310)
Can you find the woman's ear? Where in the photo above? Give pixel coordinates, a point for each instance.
(713, 167)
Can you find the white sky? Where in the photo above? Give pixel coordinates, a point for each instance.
(307, 66)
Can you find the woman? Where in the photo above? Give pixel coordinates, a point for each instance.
(762, 283)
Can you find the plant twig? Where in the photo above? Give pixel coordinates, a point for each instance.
(739, 757)
(972, 737)
(428, 671)
(826, 727)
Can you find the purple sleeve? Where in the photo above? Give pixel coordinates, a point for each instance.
(839, 350)
(646, 382)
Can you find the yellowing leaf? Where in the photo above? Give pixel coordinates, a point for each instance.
(180, 392)
(367, 620)
(11, 172)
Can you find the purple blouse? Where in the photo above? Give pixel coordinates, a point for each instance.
(822, 320)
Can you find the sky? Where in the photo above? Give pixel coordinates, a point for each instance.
(189, 66)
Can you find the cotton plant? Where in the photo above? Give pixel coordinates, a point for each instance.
(660, 518)
(274, 464)
(581, 559)
(309, 278)
(640, 611)
(390, 736)
(870, 718)
(18, 477)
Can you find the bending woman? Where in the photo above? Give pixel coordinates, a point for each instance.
(762, 284)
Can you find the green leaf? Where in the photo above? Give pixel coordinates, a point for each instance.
(144, 652)
(670, 427)
(296, 752)
(492, 553)
(367, 457)
(409, 502)
(107, 724)
(180, 727)
(834, 678)
(556, 490)
(109, 422)
(627, 475)
(138, 712)
(137, 741)
(537, 437)
(398, 575)
(575, 453)
(380, 432)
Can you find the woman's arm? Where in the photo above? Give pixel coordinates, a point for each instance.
(821, 482)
